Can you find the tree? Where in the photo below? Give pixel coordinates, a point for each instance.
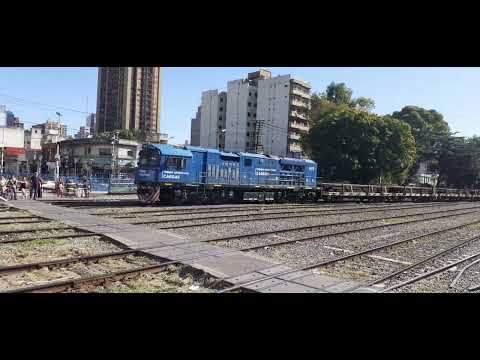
(339, 94)
(364, 103)
(459, 162)
(356, 146)
(429, 129)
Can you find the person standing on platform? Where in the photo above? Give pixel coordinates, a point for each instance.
(39, 187)
(34, 186)
(22, 186)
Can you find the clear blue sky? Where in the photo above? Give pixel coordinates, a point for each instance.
(455, 92)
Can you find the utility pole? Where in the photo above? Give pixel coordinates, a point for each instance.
(3, 147)
(114, 138)
(57, 156)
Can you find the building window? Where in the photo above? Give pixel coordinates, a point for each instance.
(248, 114)
(286, 85)
(221, 99)
(249, 104)
(248, 134)
(220, 118)
(221, 108)
(130, 153)
(248, 145)
(249, 94)
(104, 151)
(248, 124)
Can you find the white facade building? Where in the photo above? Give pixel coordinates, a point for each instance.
(212, 118)
(3, 115)
(283, 106)
(239, 111)
(260, 114)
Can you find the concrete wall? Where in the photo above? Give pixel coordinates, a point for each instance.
(12, 137)
(273, 109)
(239, 95)
(209, 119)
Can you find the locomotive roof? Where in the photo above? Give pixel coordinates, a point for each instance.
(170, 150)
(292, 161)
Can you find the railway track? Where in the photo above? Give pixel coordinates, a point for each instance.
(58, 286)
(304, 227)
(217, 209)
(366, 252)
(288, 215)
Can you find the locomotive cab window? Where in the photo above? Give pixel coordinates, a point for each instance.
(149, 159)
(247, 162)
(176, 163)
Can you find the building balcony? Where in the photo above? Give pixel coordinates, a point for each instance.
(301, 104)
(298, 115)
(294, 136)
(294, 148)
(301, 93)
(299, 126)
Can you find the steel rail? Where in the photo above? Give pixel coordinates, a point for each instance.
(6, 232)
(26, 222)
(454, 282)
(296, 216)
(60, 286)
(309, 227)
(289, 215)
(429, 274)
(419, 262)
(67, 261)
(351, 231)
(12, 241)
(208, 209)
(345, 257)
(21, 217)
(211, 210)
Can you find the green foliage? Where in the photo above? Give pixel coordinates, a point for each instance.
(131, 134)
(339, 94)
(459, 162)
(357, 146)
(430, 131)
(363, 103)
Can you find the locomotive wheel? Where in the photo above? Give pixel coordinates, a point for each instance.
(148, 194)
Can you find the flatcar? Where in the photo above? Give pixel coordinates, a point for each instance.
(199, 175)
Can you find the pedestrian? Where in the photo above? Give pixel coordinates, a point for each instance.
(3, 185)
(22, 185)
(34, 186)
(61, 188)
(12, 183)
(40, 187)
(86, 187)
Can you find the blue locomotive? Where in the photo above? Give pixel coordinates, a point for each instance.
(198, 175)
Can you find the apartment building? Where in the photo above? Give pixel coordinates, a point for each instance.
(129, 98)
(212, 119)
(261, 114)
(283, 108)
(195, 129)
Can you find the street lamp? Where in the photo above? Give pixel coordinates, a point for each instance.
(220, 132)
(57, 156)
(114, 138)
